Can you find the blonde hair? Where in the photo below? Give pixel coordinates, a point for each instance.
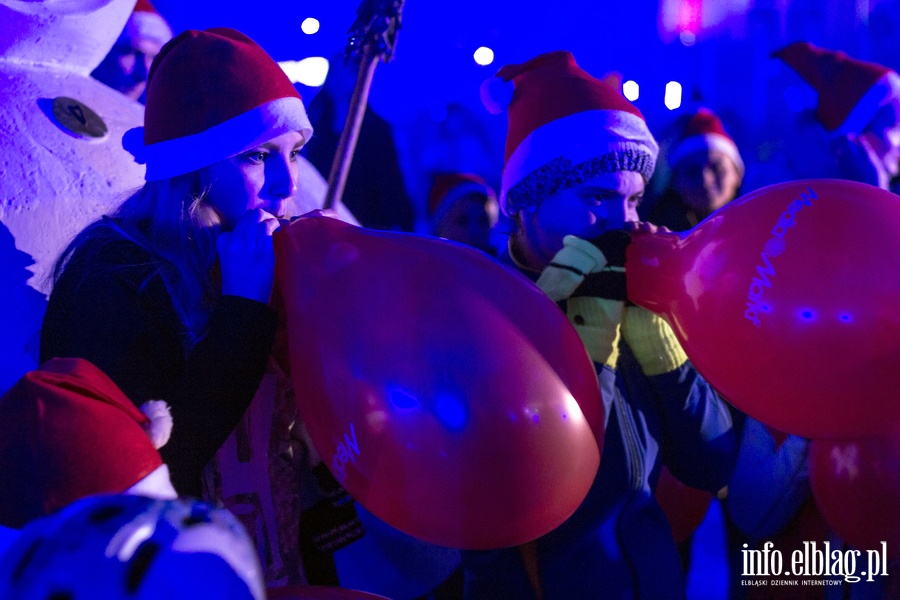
(173, 220)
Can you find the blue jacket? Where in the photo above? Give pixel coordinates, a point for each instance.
(618, 543)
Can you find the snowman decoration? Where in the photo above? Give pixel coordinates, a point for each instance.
(62, 160)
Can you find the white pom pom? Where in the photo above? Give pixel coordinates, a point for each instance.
(160, 427)
(496, 94)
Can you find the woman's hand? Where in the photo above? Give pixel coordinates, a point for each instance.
(247, 256)
(642, 227)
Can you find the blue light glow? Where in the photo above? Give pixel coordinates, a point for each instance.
(401, 398)
(451, 412)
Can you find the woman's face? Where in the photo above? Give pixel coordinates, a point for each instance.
(586, 210)
(263, 177)
(706, 181)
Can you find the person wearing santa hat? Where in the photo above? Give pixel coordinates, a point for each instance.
(856, 122)
(578, 156)
(126, 65)
(462, 207)
(169, 295)
(67, 432)
(705, 172)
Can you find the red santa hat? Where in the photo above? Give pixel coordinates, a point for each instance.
(447, 188)
(564, 127)
(66, 432)
(703, 132)
(146, 23)
(213, 94)
(850, 91)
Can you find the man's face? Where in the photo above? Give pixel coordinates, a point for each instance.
(126, 66)
(587, 210)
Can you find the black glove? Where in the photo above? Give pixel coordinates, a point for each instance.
(613, 244)
(610, 281)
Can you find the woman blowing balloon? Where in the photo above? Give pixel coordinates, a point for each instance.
(169, 295)
(578, 158)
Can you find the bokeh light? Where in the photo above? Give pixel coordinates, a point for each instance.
(310, 71)
(631, 90)
(309, 26)
(484, 56)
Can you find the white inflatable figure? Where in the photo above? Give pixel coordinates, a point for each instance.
(61, 159)
(132, 548)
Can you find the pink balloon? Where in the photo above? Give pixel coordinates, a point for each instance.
(447, 394)
(787, 300)
(856, 485)
(685, 506)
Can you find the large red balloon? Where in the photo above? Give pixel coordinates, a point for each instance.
(448, 395)
(788, 301)
(856, 485)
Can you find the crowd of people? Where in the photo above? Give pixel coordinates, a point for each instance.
(161, 338)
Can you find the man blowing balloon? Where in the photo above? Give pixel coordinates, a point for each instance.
(578, 156)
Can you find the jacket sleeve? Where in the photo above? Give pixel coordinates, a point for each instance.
(770, 481)
(699, 443)
(132, 333)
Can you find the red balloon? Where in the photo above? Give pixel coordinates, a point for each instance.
(685, 506)
(788, 301)
(856, 485)
(447, 394)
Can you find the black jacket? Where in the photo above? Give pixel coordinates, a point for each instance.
(116, 312)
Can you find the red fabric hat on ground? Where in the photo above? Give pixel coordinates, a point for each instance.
(66, 432)
(703, 132)
(211, 95)
(146, 23)
(850, 91)
(450, 187)
(564, 127)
